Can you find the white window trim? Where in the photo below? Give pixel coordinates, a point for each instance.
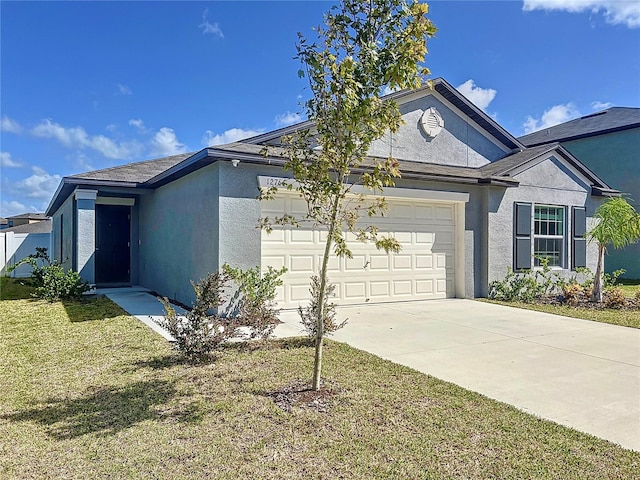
(563, 237)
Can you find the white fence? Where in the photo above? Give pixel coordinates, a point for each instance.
(16, 246)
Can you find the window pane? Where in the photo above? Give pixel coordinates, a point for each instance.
(550, 248)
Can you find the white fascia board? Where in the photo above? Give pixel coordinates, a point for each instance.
(282, 183)
(126, 202)
(82, 194)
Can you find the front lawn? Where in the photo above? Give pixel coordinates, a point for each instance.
(623, 317)
(90, 392)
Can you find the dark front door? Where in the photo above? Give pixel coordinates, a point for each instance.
(113, 234)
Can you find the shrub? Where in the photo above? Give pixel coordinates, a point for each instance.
(50, 279)
(611, 279)
(255, 303)
(522, 287)
(572, 293)
(309, 314)
(614, 297)
(201, 330)
(637, 297)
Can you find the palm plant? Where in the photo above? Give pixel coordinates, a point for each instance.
(618, 225)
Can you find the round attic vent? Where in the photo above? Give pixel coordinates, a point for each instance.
(431, 122)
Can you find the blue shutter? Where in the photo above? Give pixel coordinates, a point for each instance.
(578, 242)
(522, 236)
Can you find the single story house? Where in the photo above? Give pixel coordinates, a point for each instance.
(608, 142)
(472, 201)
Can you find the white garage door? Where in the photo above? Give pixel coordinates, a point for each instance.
(423, 269)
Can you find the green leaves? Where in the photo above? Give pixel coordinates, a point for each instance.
(619, 223)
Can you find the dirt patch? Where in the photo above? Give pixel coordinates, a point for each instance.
(298, 394)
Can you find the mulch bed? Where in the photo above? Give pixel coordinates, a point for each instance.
(557, 300)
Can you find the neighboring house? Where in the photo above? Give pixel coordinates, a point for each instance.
(608, 142)
(4, 223)
(25, 219)
(472, 202)
(19, 242)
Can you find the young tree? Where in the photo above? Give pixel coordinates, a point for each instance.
(618, 225)
(364, 47)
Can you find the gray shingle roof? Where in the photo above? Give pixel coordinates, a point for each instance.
(506, 164)
(43, 226)
(137, 172)
(29, 216)
(610, 120)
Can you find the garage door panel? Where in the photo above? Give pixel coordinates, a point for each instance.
(355, 290)
(379, 289)
(423, 269)
(402, 262)
(301, 264)
(357, 263)
(301, 236)
(379, 262)
(424, 287)
(402, 288)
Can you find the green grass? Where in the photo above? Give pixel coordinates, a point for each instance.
(625, 318)
(89, 392)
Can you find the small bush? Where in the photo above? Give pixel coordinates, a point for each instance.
(309, 314)
(201, 330)
(572, 293)
(522, 287)
(255, 304)
(50, 279)
(611, 279)
(614, 297)
(637, 297)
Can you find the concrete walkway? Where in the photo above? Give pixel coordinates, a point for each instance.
(582, 374)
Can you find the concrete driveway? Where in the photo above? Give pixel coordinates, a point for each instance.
(578, 373)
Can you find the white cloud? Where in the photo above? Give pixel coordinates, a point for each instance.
(210, 28)
(124, 89)
(9, 208)
(232, 135)
(287, 118)
(553, 116)
(615, 11)
(8, 162)
(112, 127)
(77, 137)
(480, 97)
(39, 186)
(139, 125)
(165, 143)
(601, 105)
(9, 125)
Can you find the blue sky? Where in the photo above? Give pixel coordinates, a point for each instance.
(89, 85)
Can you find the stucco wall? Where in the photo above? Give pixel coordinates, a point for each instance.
(615, 157)
(178, 234)
(548, 182)
(459, 143)
(67, 215)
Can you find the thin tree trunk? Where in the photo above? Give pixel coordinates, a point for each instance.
(317, 364)
(597, 281)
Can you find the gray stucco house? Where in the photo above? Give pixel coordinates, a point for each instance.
(472, 201)
(608, 142)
